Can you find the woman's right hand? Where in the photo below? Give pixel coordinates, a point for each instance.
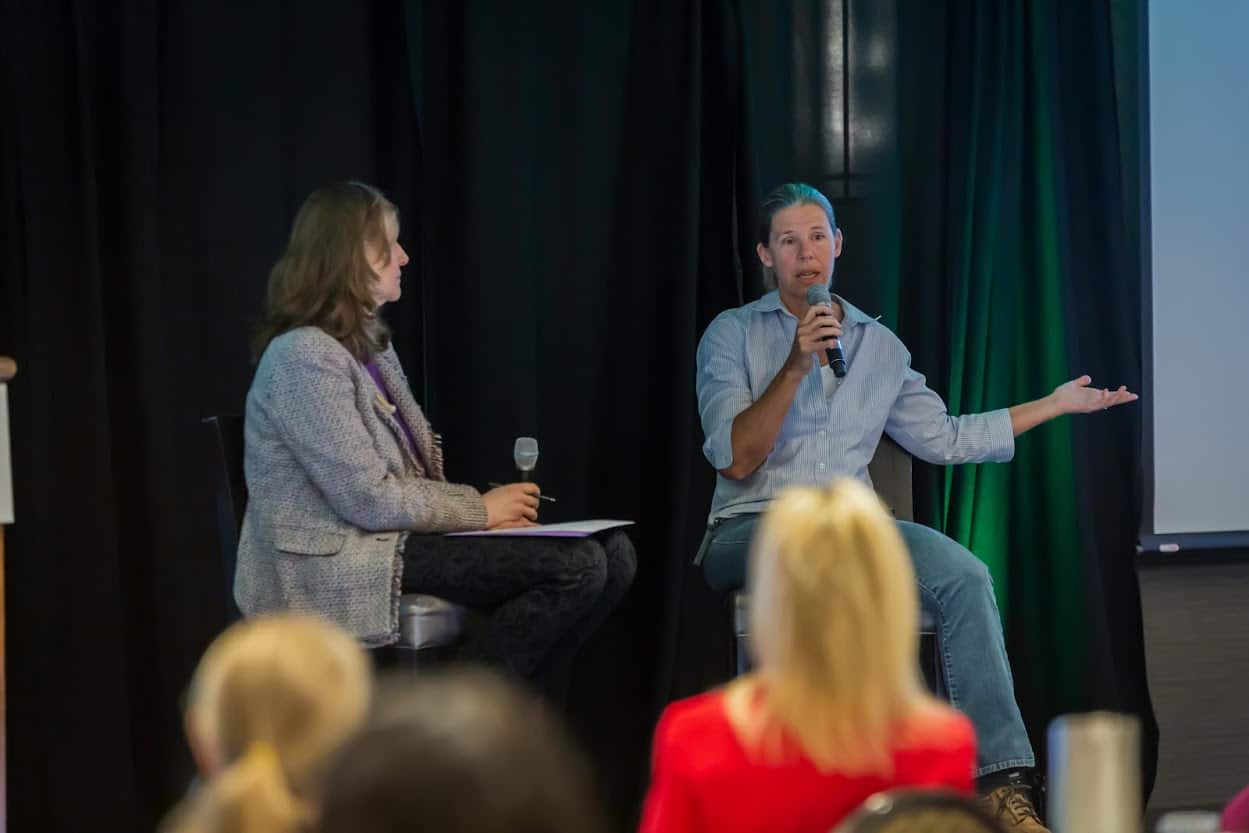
(513, 505)
(816, 331)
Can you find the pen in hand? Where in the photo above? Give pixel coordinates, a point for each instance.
(540, 497)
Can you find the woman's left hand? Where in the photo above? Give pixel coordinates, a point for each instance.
(1076, 397)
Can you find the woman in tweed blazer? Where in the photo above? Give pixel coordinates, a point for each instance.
(347, 497)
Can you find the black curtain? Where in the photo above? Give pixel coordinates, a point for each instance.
(581, 173)
(578, 200)
(151, 159)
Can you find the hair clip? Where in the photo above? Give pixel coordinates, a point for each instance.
(264, 752)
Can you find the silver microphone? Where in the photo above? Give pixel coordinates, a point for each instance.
(525, 455)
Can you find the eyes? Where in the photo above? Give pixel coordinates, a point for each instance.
(791, 239)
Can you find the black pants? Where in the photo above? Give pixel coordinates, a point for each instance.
(543, 596)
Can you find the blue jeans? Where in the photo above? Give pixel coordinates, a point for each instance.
(955, 587)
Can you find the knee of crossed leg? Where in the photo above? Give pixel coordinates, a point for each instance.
(621, 559)
(969, 573)
(583, 568)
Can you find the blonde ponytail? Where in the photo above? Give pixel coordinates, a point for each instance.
(272, 698)
(251, 795)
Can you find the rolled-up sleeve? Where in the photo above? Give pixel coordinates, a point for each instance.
(920, 422)
(723, 387)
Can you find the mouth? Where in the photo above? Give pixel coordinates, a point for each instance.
(810, 276)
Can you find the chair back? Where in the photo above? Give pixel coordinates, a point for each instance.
(890, 470)
(224, 438)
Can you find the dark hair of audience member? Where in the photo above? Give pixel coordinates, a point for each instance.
(919, 811)
(459, 751)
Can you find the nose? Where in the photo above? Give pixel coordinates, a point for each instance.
(403, 256)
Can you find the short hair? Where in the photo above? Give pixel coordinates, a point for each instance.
(787, 196)
(272, 697)
(459, 751)
(323, 278)
(834, 630)
(919, 811)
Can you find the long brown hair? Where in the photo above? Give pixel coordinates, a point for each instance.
(324, 279)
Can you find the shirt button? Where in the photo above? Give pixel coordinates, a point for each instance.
(823, 433)
(821, 467)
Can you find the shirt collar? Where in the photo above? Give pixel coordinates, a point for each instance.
(771, 302)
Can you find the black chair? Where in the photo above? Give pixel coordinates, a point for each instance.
(224, 436)
(890, 470)
(429, 626)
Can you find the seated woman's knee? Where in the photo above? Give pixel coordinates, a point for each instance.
(937, 555)
(583, 565)
(970, 571)
(622, 560)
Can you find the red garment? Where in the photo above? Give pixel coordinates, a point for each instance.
(1236, 814)
(703, 780)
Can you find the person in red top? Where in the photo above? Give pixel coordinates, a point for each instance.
(835, 710)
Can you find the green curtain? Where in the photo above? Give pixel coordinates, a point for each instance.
(977, 184)
(982, 214)
(1000, 282)
(1014, 277)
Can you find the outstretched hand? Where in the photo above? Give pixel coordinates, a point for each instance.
(1076, 397)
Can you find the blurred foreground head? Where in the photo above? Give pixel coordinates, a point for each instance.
(270, 700)
(461, 751)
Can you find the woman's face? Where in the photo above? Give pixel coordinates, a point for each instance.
(387, 264)
(801, 249)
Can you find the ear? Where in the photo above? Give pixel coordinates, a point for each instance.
(837, 241)
(205, 757)
(765, 257)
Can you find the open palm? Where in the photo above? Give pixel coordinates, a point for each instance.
(1077, 397)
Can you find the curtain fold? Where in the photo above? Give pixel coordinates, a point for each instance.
(151, 160)
(580, 190)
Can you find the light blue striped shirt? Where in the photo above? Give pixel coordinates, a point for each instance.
(825, 436)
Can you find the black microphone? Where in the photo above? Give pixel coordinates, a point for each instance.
(818, 296)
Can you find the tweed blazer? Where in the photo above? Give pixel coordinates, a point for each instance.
(334, 486)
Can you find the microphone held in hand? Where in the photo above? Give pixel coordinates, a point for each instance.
(525, 455)
(817, 296)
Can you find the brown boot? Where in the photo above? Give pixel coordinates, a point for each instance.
(1012, 807)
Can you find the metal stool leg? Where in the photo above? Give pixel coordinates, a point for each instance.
(741, 628)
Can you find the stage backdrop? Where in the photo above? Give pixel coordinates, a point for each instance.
(577, 188)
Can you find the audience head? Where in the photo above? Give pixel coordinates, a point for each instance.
(919, 811)
(337, 269)
(271, 699)
(834, 619)
(459, 752)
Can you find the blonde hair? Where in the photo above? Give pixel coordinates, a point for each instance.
(834, 617)
(272, 698)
